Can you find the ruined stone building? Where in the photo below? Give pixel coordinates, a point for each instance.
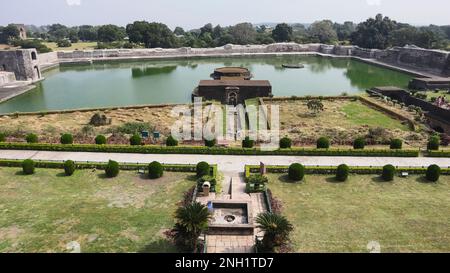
(22, 62)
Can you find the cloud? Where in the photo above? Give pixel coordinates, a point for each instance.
(373, 2)
(73, 2)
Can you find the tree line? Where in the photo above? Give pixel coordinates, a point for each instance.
(379, 32)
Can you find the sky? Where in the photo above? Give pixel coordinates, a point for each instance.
(195, 13)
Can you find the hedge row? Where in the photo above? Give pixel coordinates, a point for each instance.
(250, 169)
(101, 166)
(441, 153)
(154, 149)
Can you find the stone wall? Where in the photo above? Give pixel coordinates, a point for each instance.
(7, 77)
(430, 61)
(433, 61)
(48, 59)
(23, 62)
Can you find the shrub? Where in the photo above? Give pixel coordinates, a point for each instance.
(388, 173)
(202, 169)
(69, 167)
(433, 143)
(32, 138)
(296, 172)
(323, 143)
(2, 137)
(155, 170)
(433, 173)
(257, 179)
(210, 143)
(100, 140)
(134, 127)
(359, 143)
(396, 144)
(342, 172)
(64, 43)
(40, 47)
(99, 120)
(66, 139)
(28, 166)
(285, 143)
(247, 142)
(171, 141)
(135, 140)
(112, 169)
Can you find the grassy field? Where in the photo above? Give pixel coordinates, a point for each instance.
(406, 215)
(46, 211)
(75, 46)
(341, 121)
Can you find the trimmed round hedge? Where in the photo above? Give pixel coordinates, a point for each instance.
(433, 173)
(396, 144)
(202, 169)
(135, 140)
(433, 143)
(155, 170)
(248, 143)
(171, 141)
(28, 166)
(342, 172)
(112, 169)
(100, 140)
(359, 143)
(69, 167)
(66, 139)
(32, 138)
(285, 143)
(210, 143)
(388, 172)
(323, 143)
(296, 172)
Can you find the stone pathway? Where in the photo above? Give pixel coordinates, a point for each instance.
(226, 163)
(235, 243)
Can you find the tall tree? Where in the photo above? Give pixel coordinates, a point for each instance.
(282, 33)
(179, 31)
(151, 34)
(87, 33)
(374, 32)
(322, 32)
(243, 33)
(8, 33)
(110, 33)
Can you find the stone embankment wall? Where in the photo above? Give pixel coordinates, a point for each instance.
(431, 61)
(7, 77)
(47, 60)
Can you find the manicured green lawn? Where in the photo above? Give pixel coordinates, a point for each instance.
(406, 215)
(45, 211)
(360, 114)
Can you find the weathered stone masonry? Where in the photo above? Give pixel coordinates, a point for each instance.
(23, 62)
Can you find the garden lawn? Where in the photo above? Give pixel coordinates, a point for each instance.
(45, 211)
(359, 114)
(406, 215)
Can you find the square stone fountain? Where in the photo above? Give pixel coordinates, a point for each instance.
(231, 217)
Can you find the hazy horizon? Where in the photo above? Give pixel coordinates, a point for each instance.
(190, 14)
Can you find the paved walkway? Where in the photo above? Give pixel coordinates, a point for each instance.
(226, 163)
(235, 242)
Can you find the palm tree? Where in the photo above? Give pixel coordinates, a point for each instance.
(276, 229)
(192, 220)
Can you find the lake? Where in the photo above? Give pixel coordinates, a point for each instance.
(172, 81)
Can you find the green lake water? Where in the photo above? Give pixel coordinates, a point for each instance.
(172, 81)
